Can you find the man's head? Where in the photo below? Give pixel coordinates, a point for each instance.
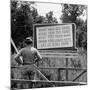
(28, 41)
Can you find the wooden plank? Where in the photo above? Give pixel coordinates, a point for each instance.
(59, 74)
(58, 56)
(62, 68)
(44, 81)
(66, 69)
(79, 75)
(60, 51)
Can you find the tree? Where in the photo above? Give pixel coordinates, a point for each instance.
(82, 35)
(23, 16)
(71, 14)
(50, 18)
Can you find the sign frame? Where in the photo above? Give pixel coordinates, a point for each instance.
(57, 48)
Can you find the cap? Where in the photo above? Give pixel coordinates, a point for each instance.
(28, 40)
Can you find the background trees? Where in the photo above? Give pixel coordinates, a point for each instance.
(50, 18)
(21, 21)
(71, 14)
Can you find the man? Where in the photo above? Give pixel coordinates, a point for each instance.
(30, 56)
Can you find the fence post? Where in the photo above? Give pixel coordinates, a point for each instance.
(66, 69)
(59, 74)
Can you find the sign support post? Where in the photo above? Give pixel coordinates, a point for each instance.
(66, 69)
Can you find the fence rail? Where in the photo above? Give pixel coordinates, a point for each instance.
(84, 70)
(62, 68)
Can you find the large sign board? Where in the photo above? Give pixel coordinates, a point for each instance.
(54, 36)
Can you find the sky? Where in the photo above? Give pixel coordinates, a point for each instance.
(44, 8)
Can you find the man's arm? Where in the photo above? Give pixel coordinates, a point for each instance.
(18, 57)
(37, 56)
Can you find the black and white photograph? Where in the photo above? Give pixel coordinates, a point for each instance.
(48, 44)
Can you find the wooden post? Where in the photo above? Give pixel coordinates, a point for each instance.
(66, 69)
(59, 75)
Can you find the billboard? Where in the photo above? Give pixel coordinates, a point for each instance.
(54, 36)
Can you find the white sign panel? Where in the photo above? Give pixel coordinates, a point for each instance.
(54, 36)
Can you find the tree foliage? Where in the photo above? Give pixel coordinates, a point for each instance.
(71, 14)
(50, 18)
(21, 21)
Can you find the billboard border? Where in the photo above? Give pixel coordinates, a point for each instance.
(73, 48)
